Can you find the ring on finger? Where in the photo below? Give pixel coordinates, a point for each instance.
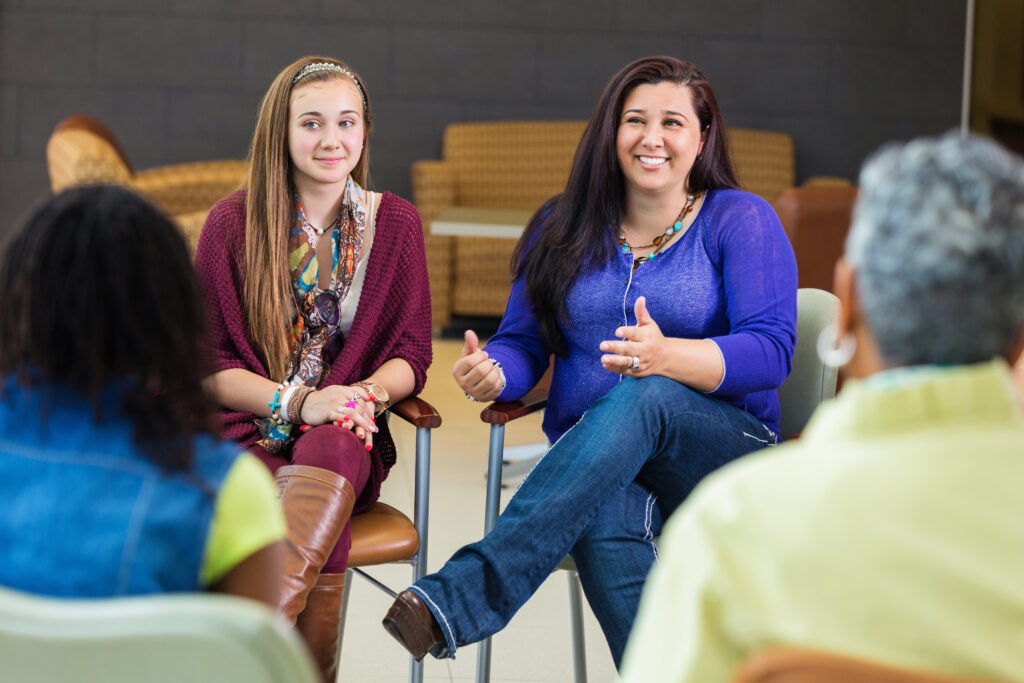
(636, 363)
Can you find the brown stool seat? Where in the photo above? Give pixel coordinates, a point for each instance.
(380, 535)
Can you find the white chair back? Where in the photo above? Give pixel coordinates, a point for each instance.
(157, 639)
(811, 381)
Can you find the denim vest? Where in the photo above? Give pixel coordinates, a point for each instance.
(83, 513)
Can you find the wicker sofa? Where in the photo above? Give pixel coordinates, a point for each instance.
(519, 165)
(82, 150)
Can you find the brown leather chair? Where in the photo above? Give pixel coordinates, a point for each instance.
(383, 534)
(795, 665)
(816, 219)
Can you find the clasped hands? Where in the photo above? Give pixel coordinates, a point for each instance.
(347, 407)
(641, 345)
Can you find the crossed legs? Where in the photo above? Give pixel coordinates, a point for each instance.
(652, 430)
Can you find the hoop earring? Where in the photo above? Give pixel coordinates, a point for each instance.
(836, 356)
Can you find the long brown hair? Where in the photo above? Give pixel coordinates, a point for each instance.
(572, 233)
(269, 209)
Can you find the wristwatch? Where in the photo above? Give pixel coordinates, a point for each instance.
(381, 399)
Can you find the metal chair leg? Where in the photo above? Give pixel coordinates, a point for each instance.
(415, 671)
(420, 520)
(344, 613)
(579, 649)
(494, 457)
(419, 561)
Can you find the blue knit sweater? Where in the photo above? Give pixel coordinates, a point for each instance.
(730, 278)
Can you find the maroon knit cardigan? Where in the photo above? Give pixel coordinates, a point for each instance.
(392, 319)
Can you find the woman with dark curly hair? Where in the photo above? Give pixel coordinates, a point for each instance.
(112, 478)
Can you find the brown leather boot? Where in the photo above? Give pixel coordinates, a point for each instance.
(320, 623)
(317, 504)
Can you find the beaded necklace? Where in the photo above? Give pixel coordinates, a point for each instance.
(661, 241)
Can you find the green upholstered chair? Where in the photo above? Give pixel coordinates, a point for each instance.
(157, 639)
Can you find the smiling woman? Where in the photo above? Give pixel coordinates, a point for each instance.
(320, 317)
(659, 138)
(668, 297)
(658, 141)
(325, 135)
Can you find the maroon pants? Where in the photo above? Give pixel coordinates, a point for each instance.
(331, 448)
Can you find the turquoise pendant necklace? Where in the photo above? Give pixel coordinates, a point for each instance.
(661, 241)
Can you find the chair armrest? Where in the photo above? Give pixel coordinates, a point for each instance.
(417, 412)
(502, 413)
(783, 663)
(78, 157)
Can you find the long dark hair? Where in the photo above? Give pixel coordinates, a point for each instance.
(571, 234)
(99, 291)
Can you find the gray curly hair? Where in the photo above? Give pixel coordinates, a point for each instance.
(937, 242)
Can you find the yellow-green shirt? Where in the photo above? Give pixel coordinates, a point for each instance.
(893, 530)
(247, 517)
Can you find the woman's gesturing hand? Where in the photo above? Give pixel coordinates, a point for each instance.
(475, 373)
(641, 352)
(345, 406)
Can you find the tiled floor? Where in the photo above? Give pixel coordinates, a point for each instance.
(535, 646)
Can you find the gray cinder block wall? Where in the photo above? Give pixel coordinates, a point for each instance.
(179, 80)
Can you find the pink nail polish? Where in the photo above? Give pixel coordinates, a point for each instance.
(369, 447)
(337, 422)
(304, 428)
(345, 418)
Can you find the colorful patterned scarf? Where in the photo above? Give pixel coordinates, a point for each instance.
(316, 336)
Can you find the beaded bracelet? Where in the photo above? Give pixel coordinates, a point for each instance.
(275, 405)
(501, 374)
(286, 398)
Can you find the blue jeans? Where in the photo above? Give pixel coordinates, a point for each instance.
(600, 493)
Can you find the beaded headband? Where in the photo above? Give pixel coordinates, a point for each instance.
(330, 66)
